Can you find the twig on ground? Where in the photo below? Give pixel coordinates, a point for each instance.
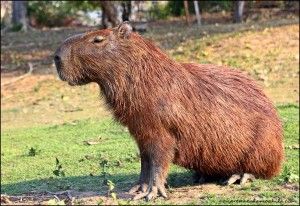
(69, 195)
(57, 198)
(58, 193)
(20, 77)
(5, 200)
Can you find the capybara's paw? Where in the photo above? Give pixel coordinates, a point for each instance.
(199, 178)
(241, 178)
(152, 193)
(138, 188)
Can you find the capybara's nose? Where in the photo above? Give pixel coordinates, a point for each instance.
(57, 59)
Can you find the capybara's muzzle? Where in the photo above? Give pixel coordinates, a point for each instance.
(59, 63)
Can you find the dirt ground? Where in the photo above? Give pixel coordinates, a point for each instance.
(183, 195)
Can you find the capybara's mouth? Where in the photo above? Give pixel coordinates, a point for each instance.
(77, 82)
(59, 68)
(71, 84)
(61, 76)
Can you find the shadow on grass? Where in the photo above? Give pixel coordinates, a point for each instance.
(88, 185)
(286, 106)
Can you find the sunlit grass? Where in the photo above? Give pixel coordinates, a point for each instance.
(22, 172)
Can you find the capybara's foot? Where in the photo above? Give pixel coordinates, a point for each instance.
(140, 187)
(241, 178)
(156, 184)
(152, 193)
(199, 178)
(142, 184)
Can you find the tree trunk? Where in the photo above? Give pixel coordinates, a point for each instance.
(187, 13)
(19, 14)
(111, 13)
(197, 13)
(238, 11)
(126, 5)
(5, 13)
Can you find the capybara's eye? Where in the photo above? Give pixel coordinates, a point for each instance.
(98, 39)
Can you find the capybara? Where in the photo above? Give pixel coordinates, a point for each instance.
(207, 118)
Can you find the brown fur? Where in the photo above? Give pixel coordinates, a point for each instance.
(208, 118)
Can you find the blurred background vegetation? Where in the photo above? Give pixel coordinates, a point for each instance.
(21, 15)
(56, 13)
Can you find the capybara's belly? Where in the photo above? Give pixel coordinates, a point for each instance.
(208, 161)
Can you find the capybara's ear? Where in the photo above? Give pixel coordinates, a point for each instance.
(124, 30)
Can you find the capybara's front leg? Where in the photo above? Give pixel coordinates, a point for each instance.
(157, 178)
(142, 184)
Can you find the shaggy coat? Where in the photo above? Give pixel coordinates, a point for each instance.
(211, 119)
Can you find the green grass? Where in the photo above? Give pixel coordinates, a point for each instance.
(23, 170)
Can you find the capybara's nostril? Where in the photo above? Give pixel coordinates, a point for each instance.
(57, 59)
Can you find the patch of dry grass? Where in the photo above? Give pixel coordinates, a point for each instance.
(271, 56)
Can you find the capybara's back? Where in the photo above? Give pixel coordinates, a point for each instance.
(208, 118)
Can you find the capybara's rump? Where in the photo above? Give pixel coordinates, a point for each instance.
(234, 128)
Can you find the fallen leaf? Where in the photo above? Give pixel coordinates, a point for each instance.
(93, 141)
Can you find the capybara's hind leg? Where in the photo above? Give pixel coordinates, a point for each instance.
(199, 178)
(142, 184)
(242, 178)
(247, 177)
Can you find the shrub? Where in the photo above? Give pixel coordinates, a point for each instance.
(159, 11)
(56, 13)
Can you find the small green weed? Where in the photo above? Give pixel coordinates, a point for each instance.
(288, 176)
(58, 171)
(32, 152)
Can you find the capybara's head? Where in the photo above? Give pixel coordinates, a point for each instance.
(84, 58)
